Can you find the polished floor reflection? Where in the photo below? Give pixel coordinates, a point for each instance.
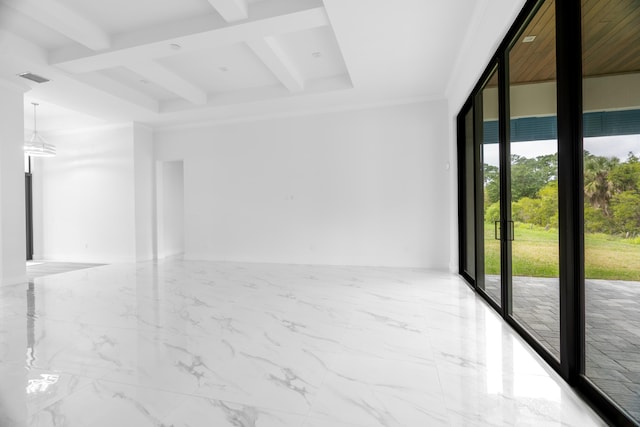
(225, 344)
(47, 268)
(612, 324)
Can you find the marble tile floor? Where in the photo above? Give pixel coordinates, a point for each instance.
(186, 343)
(46, 268)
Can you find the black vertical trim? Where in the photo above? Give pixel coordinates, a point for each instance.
(28, 205)
(478, 179)
(505, 185)
(463, 209)
(570, 184)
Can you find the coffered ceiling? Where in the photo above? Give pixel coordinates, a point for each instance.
(170, 62)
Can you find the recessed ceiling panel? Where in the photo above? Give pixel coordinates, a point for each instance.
(139, 83)
(391, 53)
(223, 69)
(119, 16)
(314, 52)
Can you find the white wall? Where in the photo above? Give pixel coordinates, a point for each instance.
(144, 163)
(12, 209)
(365, 187)
(86, 197)
(489, 25)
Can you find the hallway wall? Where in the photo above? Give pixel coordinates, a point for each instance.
(84, 197)
(366, 187)
(12, 201)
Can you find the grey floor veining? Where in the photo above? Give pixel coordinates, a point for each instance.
(195, 343)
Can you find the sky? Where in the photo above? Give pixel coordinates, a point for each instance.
(607, 146)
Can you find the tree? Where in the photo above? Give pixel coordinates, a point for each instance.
(598, 188)
(626, 212)
(595, 221)
(491, 184)
(543, 210)
(525, 210)
(626, 176)
(625, 202)
(528, 176)
(548, 213)
(492, 214)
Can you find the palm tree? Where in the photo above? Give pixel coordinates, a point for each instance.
(598, 188)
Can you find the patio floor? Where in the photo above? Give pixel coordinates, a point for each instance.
(612, 324)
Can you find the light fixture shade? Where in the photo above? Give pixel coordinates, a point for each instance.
(36, 146)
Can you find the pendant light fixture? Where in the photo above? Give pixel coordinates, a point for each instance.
(36, 146)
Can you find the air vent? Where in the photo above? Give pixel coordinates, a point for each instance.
(33, 77)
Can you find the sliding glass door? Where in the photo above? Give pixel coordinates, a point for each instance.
(533, 184)
(611, 170)
(549, 163)
(488, 206)
(517, 203)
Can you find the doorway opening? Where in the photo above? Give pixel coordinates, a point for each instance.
(170, 208)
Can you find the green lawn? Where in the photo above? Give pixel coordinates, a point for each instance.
(535, 253)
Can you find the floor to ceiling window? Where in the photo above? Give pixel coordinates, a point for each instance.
(489, 149)
(533, 184)
(611, 128)
(550, 192)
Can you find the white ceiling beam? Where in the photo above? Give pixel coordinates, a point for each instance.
(108, 100)
(64, 20)
(114, 88)
(98, 94)
(12, 46)
(231, 10)
(169, 80)
(287, 18)
(274, 57)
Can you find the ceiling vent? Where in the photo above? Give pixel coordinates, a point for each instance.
(33, 77)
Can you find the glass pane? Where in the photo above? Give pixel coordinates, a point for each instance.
(490, 152)
(469, 215)
(534, 186)
(611, 94)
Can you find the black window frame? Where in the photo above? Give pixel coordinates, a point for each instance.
(569, 80)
